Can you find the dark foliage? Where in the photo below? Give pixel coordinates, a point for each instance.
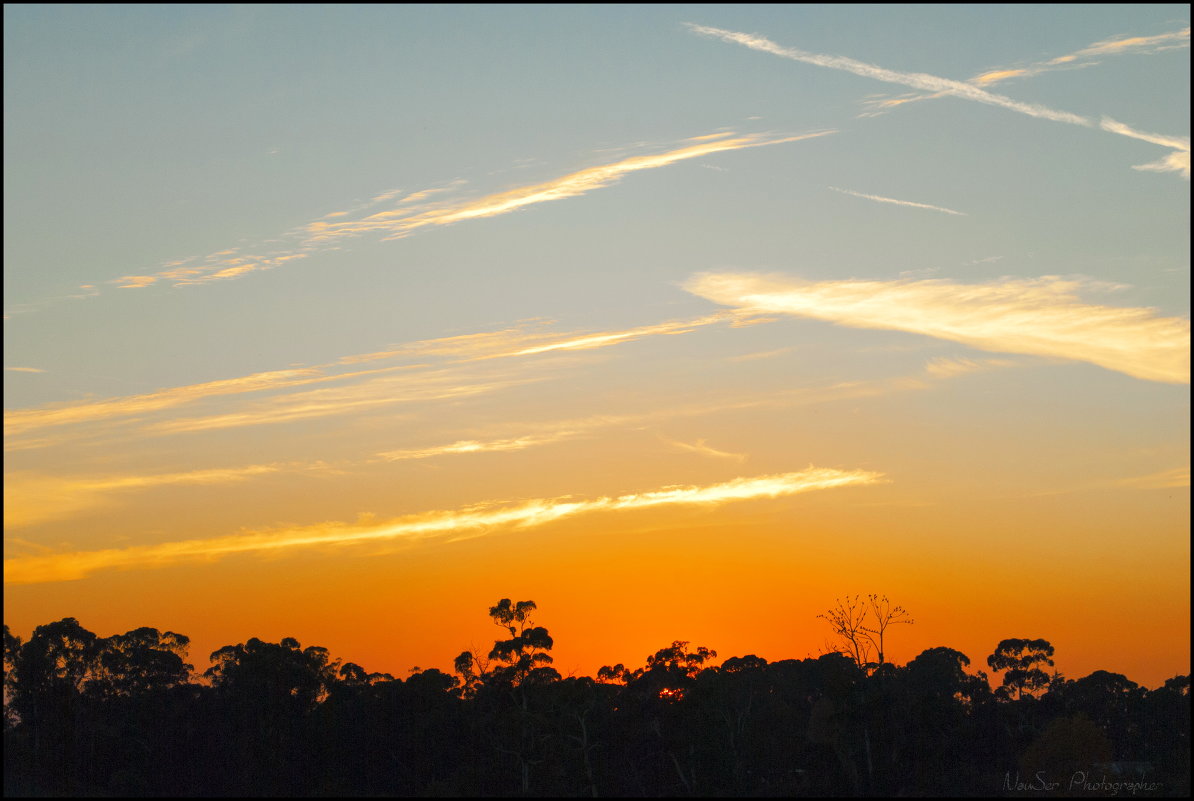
(126, 716)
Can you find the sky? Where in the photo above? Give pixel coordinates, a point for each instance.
(344, 322)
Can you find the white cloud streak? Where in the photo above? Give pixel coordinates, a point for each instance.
(881, 199)
(917, 80)
(1178, 161)
(1041, 317)
(1078, 59)
(948, 87)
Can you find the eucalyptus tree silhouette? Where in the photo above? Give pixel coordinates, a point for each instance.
(266, 694)
(1022, 659)
(120, 716)
(523, 657)
(940, 673)
(511, 719)
(141, 661)
(54, 670)
(282, 673)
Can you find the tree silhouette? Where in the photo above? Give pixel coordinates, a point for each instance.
(882, 616)
(524, 656)
(847, 619)
(141, 661)
(941, 673)
(274, 673)
(125, 716)
(1021, 659)
(861, 627)
(12, 650)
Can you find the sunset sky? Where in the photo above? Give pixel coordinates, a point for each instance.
(344, 322)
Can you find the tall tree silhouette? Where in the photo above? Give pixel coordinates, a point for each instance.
(1022, 660)
(524, 656)
(142, 660)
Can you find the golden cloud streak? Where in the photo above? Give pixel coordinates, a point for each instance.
(340, 400)
(398, 223)
(700, 447)
(21, 421)
(526, 340)
(30, 498)
(601, 340)
(564, 430)
(481, 446)
(1162, 41)
(997, 75)
(70, 566)
(413, 212)
(1040, 316)
(1080, 58)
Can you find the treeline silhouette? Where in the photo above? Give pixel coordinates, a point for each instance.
(127, 716)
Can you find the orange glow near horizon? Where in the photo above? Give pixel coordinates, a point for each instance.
(681, 324)
(655, 578)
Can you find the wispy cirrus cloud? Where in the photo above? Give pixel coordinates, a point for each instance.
(355, 398)
(1174, 478)
(422, 380)
(702, 448)
(1178, 161)
(605, 339)
(31, 498)
(483, 446)
(1086, 57)
(917, 80)
(217, 267)
(480, 519)
(881, 199)
(398, 223)
(424, 209)
(949, 368)
(24, 370)
(520, 436)
(1126, 44)
(19, 422)
(942, 87)
(762, 354)
(1041, 316)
